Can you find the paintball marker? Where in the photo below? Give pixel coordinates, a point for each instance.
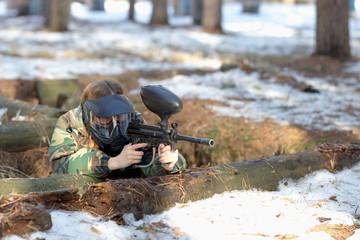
(163, 103)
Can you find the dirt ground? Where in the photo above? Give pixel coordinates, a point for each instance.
(237, 139)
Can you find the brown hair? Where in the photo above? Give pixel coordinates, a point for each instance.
(100, 89)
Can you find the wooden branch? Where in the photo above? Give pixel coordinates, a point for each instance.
(156, 194)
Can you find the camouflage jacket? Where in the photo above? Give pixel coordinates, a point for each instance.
(70, 152)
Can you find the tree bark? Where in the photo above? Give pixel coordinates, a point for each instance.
(197, 11)
(159, 12)
(211, 19)
(156, 194)
(57, 15)
(30, 110)
(332, 28)
(131, 10)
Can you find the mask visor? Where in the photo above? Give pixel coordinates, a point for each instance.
(105, 127)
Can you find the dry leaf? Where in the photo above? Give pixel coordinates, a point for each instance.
(182, 206)
(333, 198)
(95, 230)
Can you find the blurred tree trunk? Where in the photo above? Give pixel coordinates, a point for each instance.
(22, 6)
(176, 7)
(95, 5)
(197, 11)
(57, 15)
(132, 10)
(159, 12)
(211, 19)
(251, 6)
(332, 28)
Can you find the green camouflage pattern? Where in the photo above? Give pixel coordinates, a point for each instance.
(70, 152)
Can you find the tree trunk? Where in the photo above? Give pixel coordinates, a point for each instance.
(156, 194)
(57, 15)
(30, 110)
(211, 19)
(159, 12)
(197, 11)
(22, 136)
(332, 28)
(251, 6)
(95, 5)
(132, 10)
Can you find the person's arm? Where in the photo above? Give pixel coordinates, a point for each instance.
(68, 156)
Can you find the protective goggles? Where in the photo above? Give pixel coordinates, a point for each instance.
(105, 127)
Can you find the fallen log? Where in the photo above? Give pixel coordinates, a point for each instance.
(142, 196)
(156, 194)
(39, 185)
(21, 136)
(32, 111)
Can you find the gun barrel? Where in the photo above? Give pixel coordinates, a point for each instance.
(204, 141)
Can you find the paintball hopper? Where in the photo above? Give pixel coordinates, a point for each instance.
(160, 101)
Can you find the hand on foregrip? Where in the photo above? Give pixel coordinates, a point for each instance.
(167, 157)
(127, 157)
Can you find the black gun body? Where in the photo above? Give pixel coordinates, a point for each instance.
(155, 135)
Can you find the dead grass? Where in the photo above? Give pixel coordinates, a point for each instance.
(337, 231)
(32, 163)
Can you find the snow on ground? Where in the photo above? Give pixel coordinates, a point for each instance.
(294, 209)
(105, 44)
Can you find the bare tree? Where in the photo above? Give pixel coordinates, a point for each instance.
(211, 19)
(131, 10)
(251, 6)
(197, 11)
(332, 28)
(57, 15)
(159, 12)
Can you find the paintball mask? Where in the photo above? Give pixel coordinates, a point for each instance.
(107, 119)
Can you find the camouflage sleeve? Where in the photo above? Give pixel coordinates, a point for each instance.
(157, 170)
(68, 156)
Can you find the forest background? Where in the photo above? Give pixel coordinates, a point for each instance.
(276, 79)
